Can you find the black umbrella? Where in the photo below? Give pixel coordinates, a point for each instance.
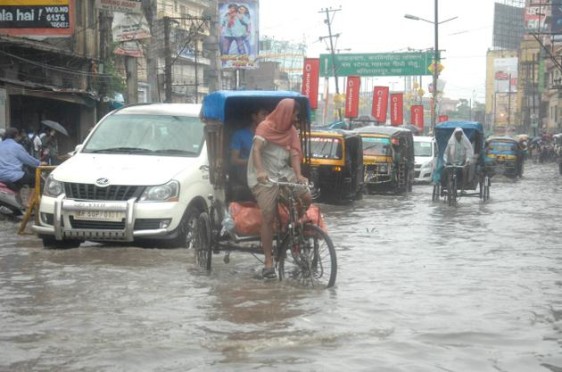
(54, 125)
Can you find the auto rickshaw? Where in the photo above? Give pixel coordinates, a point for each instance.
(478, 176)
(503, 156)
(388, 157)
(302, 249)
(336, 166)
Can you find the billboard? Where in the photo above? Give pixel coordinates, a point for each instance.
(380, 103)
(535, 16)
(238, 30)
(505, 74)
(51, 18)
(377, 64)
(396, 109)
(509, 26)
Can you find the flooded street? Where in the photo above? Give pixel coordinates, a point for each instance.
(421, 287)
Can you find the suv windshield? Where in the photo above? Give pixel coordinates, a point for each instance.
(147, 134)
(422, 149)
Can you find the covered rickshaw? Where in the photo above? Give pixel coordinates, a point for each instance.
(302, 249)
(446, 183)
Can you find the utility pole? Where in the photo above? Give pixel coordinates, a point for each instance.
(149, 10)
(191, 37)
(167, 60)
(330, 36)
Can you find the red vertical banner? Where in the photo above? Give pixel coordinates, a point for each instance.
(417, 116)
(396, 109)
(380, 104)
(310, 80)
(352, 96)
(443, 118)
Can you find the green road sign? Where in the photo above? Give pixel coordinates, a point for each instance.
(380, 64)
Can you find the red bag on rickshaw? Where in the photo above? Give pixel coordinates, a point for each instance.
(247, 217)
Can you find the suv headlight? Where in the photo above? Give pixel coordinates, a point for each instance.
(53, 188)
(169, 192)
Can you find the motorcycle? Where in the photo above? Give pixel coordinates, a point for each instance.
(11, 202)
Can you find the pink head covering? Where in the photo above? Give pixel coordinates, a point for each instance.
(278, 127)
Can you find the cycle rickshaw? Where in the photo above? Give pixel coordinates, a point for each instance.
(302, 249)
(446, 181)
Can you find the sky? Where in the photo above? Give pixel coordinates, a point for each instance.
(379, 26)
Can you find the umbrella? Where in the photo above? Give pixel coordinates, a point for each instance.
(54, 125)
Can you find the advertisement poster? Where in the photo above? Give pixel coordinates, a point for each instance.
(53, 18)
(238, 30)
(380, 103)
(310, 80)
(352, 96)
(129, 26)
(396, 109)
(505, 74)
(417, 116)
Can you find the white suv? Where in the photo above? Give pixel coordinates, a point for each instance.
(140, 176)
(425, 153)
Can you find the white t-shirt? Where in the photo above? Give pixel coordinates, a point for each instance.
(276, 162)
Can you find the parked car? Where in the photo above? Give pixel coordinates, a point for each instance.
(141, 175)
(425, 152)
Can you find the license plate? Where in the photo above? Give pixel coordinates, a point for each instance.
(99, 215)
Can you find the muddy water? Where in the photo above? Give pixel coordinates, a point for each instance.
(421, 287)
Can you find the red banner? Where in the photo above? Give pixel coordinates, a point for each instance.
(417, 116)
(443, 118)
(396, 109)
(310, 78)
(352, 96)
(380, 104)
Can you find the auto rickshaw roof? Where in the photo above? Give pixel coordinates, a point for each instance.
(501, 139)
(333, 133)
(380, 129)
(227, 103)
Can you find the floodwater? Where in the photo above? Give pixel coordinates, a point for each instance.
(421, 287)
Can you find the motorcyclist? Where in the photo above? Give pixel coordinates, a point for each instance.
(13, 158)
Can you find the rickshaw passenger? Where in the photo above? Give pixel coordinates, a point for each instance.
(240, 146)
(459, 152)
(276, 154)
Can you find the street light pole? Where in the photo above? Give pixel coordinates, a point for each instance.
(435, 69)
(436, 58)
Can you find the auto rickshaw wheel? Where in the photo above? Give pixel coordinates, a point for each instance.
(202, 241)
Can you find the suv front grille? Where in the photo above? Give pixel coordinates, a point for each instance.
(87, 191)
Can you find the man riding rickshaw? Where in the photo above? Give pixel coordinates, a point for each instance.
(460, 166)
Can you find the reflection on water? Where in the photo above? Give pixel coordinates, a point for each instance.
(421, 287)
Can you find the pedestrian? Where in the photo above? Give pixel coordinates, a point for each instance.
(13, 159)
(276, 154)
(50, 150)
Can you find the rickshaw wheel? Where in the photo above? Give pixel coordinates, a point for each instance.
(436, 192)
(486, 189)
(452, 190)
(202, 241)
(311, 261)
(560, 166)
